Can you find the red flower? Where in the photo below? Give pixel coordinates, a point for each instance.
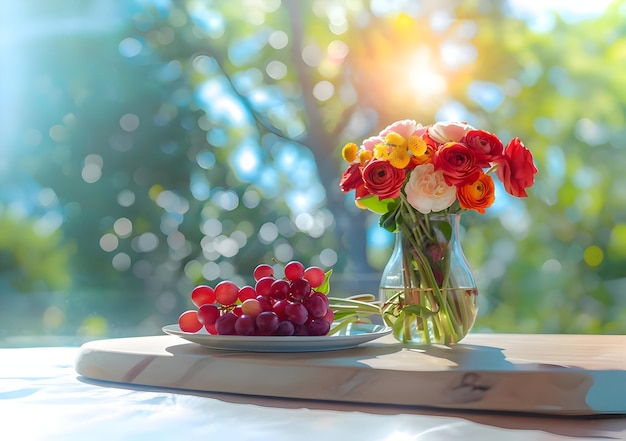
(383, 179)
(458, 163)
(516, 169)
(487, 145)
(429, 141)
(351, 178)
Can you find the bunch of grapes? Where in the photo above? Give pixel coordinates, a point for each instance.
(274, 306)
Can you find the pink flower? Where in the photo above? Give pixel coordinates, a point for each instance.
(383, 179)
(370, 143)
(405, 128)
(458, 163)
(488, 145)
(443, 132)
(427, 190)
(516, 169)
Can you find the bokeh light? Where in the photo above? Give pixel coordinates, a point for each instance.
(151, 146)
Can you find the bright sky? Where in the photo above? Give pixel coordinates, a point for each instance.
(540, 14)
(569, 9)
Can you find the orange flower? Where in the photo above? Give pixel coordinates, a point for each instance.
(478, 195)
(423, 159)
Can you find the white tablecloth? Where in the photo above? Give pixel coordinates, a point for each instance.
(42, 398)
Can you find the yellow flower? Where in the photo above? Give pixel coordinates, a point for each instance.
(381, 152)
(425, 158)
(399, 157)
(395, 140)
(417, 146)
(349, 152)
(364, 157)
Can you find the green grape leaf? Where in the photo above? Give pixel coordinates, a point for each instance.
(324, 288)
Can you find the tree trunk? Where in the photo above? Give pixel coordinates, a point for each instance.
(359, 276)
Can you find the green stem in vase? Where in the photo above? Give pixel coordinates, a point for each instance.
(425, 330)
(422, 235)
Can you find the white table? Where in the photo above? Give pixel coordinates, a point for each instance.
(43, 398)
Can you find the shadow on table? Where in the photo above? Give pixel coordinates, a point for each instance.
(610, 427)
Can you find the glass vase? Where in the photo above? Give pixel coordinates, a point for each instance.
(427, 291)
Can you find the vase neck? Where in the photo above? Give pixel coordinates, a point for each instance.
(430, 229)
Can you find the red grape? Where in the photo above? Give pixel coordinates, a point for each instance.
(246, 292)
(263, 286)
(330, 316)
(251, 307)
(226, 293)
(244, 325)
(202, 295)
(300, 289)
(188, 321)
(282, 305)
(315, 275)
(300, 330)
(316, 306)
(266, 322)
(322, 296)
(208, 314)
(225, 324)
(280, 289)
(266, 303)
(279, 308)
(294, 270)
(263, 270)
(296, 313)
(318, 326)
(285, 328)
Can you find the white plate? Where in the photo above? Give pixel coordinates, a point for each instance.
(349, 337)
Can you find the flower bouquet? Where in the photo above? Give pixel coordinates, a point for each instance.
(420, 178)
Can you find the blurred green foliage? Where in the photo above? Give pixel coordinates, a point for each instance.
(160, 144)
(30, 262)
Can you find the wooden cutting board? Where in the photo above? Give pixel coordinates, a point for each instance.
(546, 374)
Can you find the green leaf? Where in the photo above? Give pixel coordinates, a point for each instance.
(342, 324)
(419, 310)
(374, 204)
(324, 288)
(446, 230)
(389, 220)
(398, 326)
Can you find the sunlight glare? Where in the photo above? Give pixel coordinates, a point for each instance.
(424, 79)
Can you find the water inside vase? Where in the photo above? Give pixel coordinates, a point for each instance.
(424, 319)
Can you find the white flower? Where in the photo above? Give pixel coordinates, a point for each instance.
(427, 190)
(443, 132)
